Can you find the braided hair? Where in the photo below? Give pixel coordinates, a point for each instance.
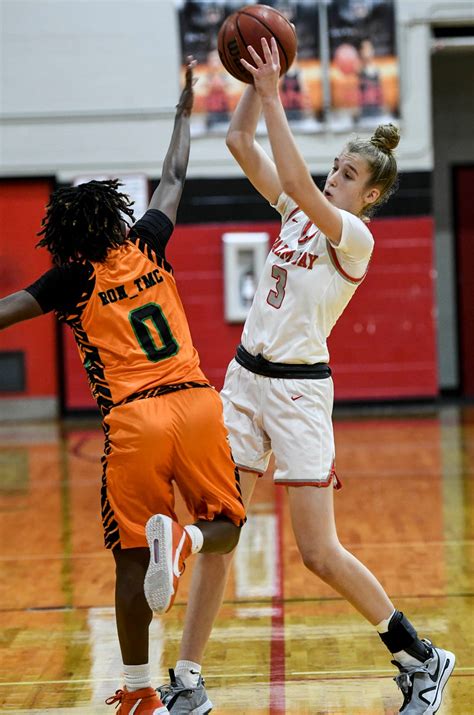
(84, 222)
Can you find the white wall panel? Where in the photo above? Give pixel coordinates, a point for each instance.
(91, 85)
(67, 56)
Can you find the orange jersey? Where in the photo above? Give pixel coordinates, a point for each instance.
(132, 333)
(126, 315)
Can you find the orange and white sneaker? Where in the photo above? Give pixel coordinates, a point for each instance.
(137, 702)
(170, 545)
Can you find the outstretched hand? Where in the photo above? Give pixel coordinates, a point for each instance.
(266, 71)
(185, 104)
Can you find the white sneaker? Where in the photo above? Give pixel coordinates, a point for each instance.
(181, 700)
(169, 546)
(422, 685)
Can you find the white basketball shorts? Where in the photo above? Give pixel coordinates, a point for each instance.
(291, 418)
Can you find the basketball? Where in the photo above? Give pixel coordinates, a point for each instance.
(247, 27)
(346, 58)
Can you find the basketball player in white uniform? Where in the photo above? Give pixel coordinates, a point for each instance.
(278, 392)
(304, 287)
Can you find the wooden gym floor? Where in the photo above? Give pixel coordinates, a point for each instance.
(284, 642)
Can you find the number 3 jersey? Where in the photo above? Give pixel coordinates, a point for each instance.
(305, 285)
(126, 315)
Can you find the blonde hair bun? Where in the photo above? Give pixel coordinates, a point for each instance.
(386, 137)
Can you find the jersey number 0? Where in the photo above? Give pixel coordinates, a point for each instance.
(152, 312)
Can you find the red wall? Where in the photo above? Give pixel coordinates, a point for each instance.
(382, 347)
(22, 206)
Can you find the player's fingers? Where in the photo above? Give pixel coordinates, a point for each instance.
(253, 70)
(255, 56)
(190, 65)
(266, 51)
(274, 54)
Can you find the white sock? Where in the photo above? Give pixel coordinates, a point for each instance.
(136, 677)
(382, 627)
(197, 540)
(405, 659)
(188, 672)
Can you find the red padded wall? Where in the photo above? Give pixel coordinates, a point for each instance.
(382, 347)
(384, 344)
(22, 206)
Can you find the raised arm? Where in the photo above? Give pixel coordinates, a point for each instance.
(293, 173)
(256, 164)
(16, 307)
(167, 195)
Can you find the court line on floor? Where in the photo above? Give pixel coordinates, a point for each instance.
(245, 602)
(361, 545)
(462, 671)
(277, 638)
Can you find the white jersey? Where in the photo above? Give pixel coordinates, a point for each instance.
(305, 285)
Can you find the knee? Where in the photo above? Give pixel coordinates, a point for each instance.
(221, 535)
(320, 561)
(233, 540)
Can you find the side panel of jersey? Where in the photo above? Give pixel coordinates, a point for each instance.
(135, 328)
(301, 293)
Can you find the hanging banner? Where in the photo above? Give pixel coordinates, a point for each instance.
(217, 92)
(363, 72)
(345, 74)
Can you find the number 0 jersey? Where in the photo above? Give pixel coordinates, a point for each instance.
(305, 285)
(126, 316)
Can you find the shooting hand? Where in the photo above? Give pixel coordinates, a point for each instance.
(185, 104)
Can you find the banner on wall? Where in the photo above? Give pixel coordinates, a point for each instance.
(363, 70)
(217, 92)
(345, 74)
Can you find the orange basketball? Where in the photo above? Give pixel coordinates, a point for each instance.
(247, 27)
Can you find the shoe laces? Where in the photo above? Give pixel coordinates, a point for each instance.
(404, 679)
(117, 698)
(174, 688)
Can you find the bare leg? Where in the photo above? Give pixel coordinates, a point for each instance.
(132, 612)
(312, 513)
(208, 583)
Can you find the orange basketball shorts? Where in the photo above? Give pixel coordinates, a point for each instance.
(151, 444)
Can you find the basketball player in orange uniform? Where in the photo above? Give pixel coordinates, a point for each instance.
(162, 420)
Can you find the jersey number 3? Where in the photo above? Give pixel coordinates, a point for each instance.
(275, 297)
(152, 312)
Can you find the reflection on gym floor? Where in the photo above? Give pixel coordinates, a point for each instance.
(284, 642)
